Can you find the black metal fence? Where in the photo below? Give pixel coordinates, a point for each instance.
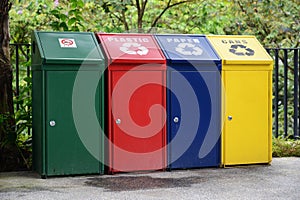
(285, 91)
(20, 56)
(285, 85)
(20, 60)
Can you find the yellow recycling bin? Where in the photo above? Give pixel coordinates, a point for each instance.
(247, 100)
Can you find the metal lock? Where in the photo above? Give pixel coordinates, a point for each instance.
(229, 118)
(118, 121)
(176, 119)
(52, 123)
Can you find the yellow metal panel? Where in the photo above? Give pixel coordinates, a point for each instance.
(246, 67)
(270, 100)
(223, 116)
(239, 49)
(246, 138)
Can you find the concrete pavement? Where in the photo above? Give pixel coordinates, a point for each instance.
(280, 180)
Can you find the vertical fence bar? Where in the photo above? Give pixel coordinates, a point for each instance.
(17, 74)
(28, 73)
(296, 80)
(27, 59)
(274, 52)
(17, 48)
(276, 92)
(285, 97)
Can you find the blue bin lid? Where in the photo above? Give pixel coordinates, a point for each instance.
(192, 49)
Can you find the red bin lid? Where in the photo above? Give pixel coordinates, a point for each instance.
(131, 48)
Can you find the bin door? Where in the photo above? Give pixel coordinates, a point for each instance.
(246, 117)
(194, 119)
(138, 121)
(65, 153)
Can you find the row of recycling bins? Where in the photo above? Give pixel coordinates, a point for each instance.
(107, 103)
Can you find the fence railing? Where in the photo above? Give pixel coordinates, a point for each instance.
(285, 91)
(20, 54)
(285, 85)
(20, 57)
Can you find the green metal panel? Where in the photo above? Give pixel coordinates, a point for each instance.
(36, 58)
(66, 154)
(59, 150)
(37, 123)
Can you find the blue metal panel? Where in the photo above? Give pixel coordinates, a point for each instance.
(193, 102)
(194, 141)
(190, 49)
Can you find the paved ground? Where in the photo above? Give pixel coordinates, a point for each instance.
(281, 180)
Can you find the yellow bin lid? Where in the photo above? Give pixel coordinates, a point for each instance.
(240, 49)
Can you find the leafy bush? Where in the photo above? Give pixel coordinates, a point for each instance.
(283, 147)
(23, 118)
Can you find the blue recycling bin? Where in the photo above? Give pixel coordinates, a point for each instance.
(193, 101)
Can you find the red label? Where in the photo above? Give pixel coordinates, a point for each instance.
(131, 47)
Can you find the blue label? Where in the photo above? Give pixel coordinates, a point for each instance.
(186, 47)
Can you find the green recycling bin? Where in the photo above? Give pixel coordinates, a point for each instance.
(68, 103)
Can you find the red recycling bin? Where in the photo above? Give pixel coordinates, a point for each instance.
(137, 101)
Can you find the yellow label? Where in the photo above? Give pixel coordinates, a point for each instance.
(238, 49)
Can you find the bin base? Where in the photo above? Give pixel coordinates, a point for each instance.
(245, 165)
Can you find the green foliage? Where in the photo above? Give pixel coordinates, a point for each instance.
(23, 117)
(175, 16)
(286, 147)
(49, 15)
(27, 16)
(69, 19)
(23, 114)
(10, 136)
(199, 17)
(114, 12)
(276, 23)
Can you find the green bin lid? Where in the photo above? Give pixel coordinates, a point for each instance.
(67, 47)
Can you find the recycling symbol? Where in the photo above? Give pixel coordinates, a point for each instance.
(241, 50)
(133, 48)
(188, 49)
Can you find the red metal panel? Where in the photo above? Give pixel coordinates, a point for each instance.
(137, 102)
(137, 120)
(124, 48)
